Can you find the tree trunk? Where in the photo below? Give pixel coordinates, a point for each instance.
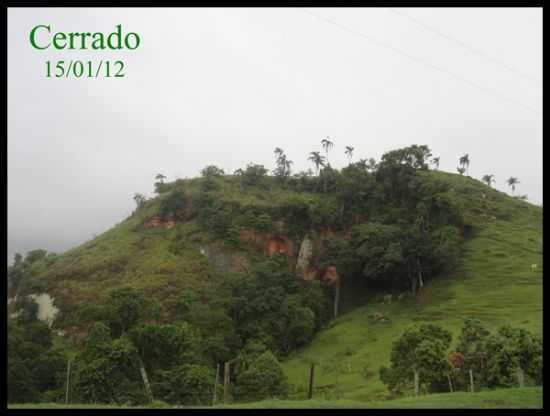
(450, 383)
(471, 380)
(416, 383)
(145, 381)
(336, 297)
(521, 377)
(420, 280)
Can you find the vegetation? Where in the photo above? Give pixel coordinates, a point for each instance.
(152, 307)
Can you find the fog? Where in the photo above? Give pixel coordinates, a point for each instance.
(227, 86)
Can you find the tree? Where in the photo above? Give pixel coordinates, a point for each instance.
(327, 144)
(512, 182)
(187, 384)
(160, 186)
(471, 347)
(488, 179)
(435, 161)
(460, 170)
(107, 371)
(464, 162)
(511, 354)
(317, 159)
(419, 355)
(253, 174)
(126, 307)
(263, 379)
(139, 199)
(212, 171)
(283, 164)
(349, 152)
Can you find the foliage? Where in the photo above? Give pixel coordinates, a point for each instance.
(274, 308)
(253, 174)
(186, 384)
(421, 349)
(263, 379)
(34, 368)
(126, 307)
(510, 349)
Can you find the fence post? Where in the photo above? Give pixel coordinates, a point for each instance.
(226, 382)
(215, 397)
(68, 379)
(450, 383)
(416, 383)
(311, 375)
(471, 380)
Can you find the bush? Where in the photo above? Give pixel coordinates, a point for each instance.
(264, 379)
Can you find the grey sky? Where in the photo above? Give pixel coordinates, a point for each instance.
(226, 86)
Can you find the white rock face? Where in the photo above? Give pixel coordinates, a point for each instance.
(46, 309)
(304, 257)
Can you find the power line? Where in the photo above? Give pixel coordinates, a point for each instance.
(386, 45)
(464, 45)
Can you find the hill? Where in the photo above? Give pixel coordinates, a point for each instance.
(251, 261)
(494, 283)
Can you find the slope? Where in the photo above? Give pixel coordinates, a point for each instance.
(494, 283)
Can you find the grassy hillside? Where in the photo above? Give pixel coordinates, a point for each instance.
(493, 283)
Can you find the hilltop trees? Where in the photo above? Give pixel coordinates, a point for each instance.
(139, 199)
(349, 152)
(464, 162)
(327, 144)
(160, 186)
(317, 159)
(435, 161)
(488, 179)
(282, 163)
(512, 182)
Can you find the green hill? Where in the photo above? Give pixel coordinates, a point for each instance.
(494, 283)
(199, 240)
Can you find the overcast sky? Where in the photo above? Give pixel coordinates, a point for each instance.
(227, 86)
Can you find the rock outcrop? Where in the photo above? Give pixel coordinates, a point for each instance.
(304, 265)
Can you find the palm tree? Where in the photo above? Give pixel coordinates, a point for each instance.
(283, 164)
(435, 161)
(488, 179)
(512, 182)
(464, 161)
(460, 170)
(363, 163)
(349, 152)
(288, 163)
(160, 177)
(317, 160)
(139, 200)
(327, 144)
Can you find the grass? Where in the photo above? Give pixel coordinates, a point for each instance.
(494, 283)
(528, 397)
